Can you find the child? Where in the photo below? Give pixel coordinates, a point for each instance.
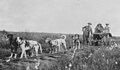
(107, 28)
(76, 41)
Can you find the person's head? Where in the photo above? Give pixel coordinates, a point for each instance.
(107, 24)
(99, 25)
(47, 40)
(89, 24)
(19, 39)
(76, 36)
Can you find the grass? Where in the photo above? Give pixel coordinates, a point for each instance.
(88, 58)
(101, 59)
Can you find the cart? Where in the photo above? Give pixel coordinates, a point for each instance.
(100, 39)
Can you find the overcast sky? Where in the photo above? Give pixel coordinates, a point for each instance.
(61, 16)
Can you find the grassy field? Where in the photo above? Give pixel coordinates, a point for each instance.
(40, 37)
(88, 58)
(101, 59)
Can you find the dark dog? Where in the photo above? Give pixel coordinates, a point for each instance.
(13, 45)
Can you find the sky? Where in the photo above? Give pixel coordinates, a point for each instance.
(58, 16)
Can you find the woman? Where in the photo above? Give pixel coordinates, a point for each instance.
(99, 28)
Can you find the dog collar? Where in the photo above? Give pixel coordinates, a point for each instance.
(21, 43)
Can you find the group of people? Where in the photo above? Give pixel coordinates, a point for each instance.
(99, 29)
(88, 34)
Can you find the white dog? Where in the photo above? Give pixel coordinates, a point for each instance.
(28, 44)
(57, 42)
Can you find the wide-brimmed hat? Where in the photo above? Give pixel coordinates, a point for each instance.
(99, 24)
(89, 23)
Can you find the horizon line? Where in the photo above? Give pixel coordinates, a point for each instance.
(49, 32)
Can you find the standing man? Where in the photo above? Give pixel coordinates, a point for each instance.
(87, 32)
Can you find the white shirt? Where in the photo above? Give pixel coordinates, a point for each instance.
(107, 29)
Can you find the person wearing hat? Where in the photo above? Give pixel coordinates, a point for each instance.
(107, 35)
(89, 24)
(99, 28)
(107, 30)
(87, 32)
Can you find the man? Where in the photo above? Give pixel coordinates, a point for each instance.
(87, 32)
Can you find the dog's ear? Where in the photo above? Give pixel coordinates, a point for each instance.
(10, 36)
(73, 37)
(16, 39)
(47, 40)
(21, 38)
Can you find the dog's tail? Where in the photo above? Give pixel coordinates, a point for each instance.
(40, 47)
(63, 36)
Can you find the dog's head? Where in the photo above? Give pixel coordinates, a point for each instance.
(47, 40)
(19, 39)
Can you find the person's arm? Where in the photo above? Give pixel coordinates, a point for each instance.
(109, 29)
(83, 28)
(91, 31)
(103, 29)
(100, 29)
(95, 29)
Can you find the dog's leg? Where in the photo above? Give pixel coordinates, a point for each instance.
(40, 47)
(11, 55)
(36, 50)
(54, 49)
(23, 51)
(32, 54)
(15, 56)
(79, 46)
(64, 44)
(59, 48)
(25, 54)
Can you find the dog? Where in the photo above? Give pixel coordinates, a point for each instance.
(57, 43)
(27, 45)
(13, 44)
